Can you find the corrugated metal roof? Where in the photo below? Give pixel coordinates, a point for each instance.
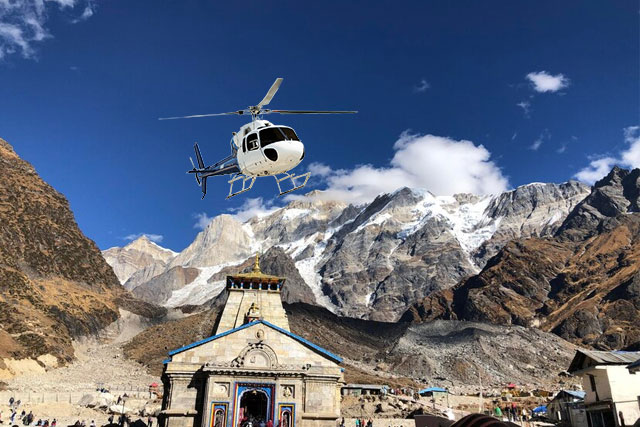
(612, 357)
(433, 389)
(576, 393)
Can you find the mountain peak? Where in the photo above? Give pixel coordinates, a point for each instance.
(615, 194)
(145, 244)
(614, 177)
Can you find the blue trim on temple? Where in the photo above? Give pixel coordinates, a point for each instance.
(264, 322)
(303, 341)
(165, 361)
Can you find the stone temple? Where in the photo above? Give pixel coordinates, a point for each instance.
(253, 369)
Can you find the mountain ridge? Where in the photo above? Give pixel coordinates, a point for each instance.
(55, 285)
(581, 283)
(373, 260)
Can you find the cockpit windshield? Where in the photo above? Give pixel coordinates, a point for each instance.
(290, 134)
(275, 134)
(270, 135)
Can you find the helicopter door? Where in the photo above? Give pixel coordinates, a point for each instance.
(253, 158)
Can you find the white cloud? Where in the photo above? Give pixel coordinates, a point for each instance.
(253, 207)
(545, 82)
(319, 169)
(526, 107)
(629, 158)
(23, 23)
(441, 165)
(562, 148)
(536, 144)
(545, 135)
(250, 208)
(596, 170)
(422, 86)
(202, 220)
(157, 238)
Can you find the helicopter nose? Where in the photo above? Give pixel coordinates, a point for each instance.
(292, 152)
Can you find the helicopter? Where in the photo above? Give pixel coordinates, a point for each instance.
(259, 148)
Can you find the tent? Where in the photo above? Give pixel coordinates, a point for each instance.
(540, 409)
(511, 385)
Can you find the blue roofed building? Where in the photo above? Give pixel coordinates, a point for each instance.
(253, 369)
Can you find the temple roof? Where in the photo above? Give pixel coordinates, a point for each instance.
(256, 275)
(301, 340)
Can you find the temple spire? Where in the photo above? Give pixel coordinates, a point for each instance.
(256, 265)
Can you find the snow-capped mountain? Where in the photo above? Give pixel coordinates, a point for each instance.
(368, 261)
(135, 256)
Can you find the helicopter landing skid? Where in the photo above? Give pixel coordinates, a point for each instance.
(293, 178)
(244, 179)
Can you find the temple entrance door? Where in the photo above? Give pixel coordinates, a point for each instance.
(253, 404)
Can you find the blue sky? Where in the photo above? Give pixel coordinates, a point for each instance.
(437, 84)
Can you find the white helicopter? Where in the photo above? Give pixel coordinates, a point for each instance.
(258, 149)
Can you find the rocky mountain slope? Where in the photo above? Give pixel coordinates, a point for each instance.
(582, 283)
(393, 353)
(368, 261)
(54, 283)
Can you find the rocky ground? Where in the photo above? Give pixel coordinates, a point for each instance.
(69, 393)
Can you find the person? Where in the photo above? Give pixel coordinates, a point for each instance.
(342, 422)
(93, 424)
(269, 423)
(262, 423)
(497, 412)
(149, 422)
(357, 422)
(450, 415)
(11, 400)
(110, 419)
(54, 423)
(30, 418)
(12, 417)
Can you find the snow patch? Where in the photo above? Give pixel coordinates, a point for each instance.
(308, 269)
(292, 213)
(199, 291)
(469, 224)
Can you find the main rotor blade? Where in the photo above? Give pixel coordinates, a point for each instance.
(239, 113)
(272, 91)
(307, 112)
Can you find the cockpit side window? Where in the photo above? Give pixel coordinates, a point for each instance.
(290, 134)
(252, 142)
